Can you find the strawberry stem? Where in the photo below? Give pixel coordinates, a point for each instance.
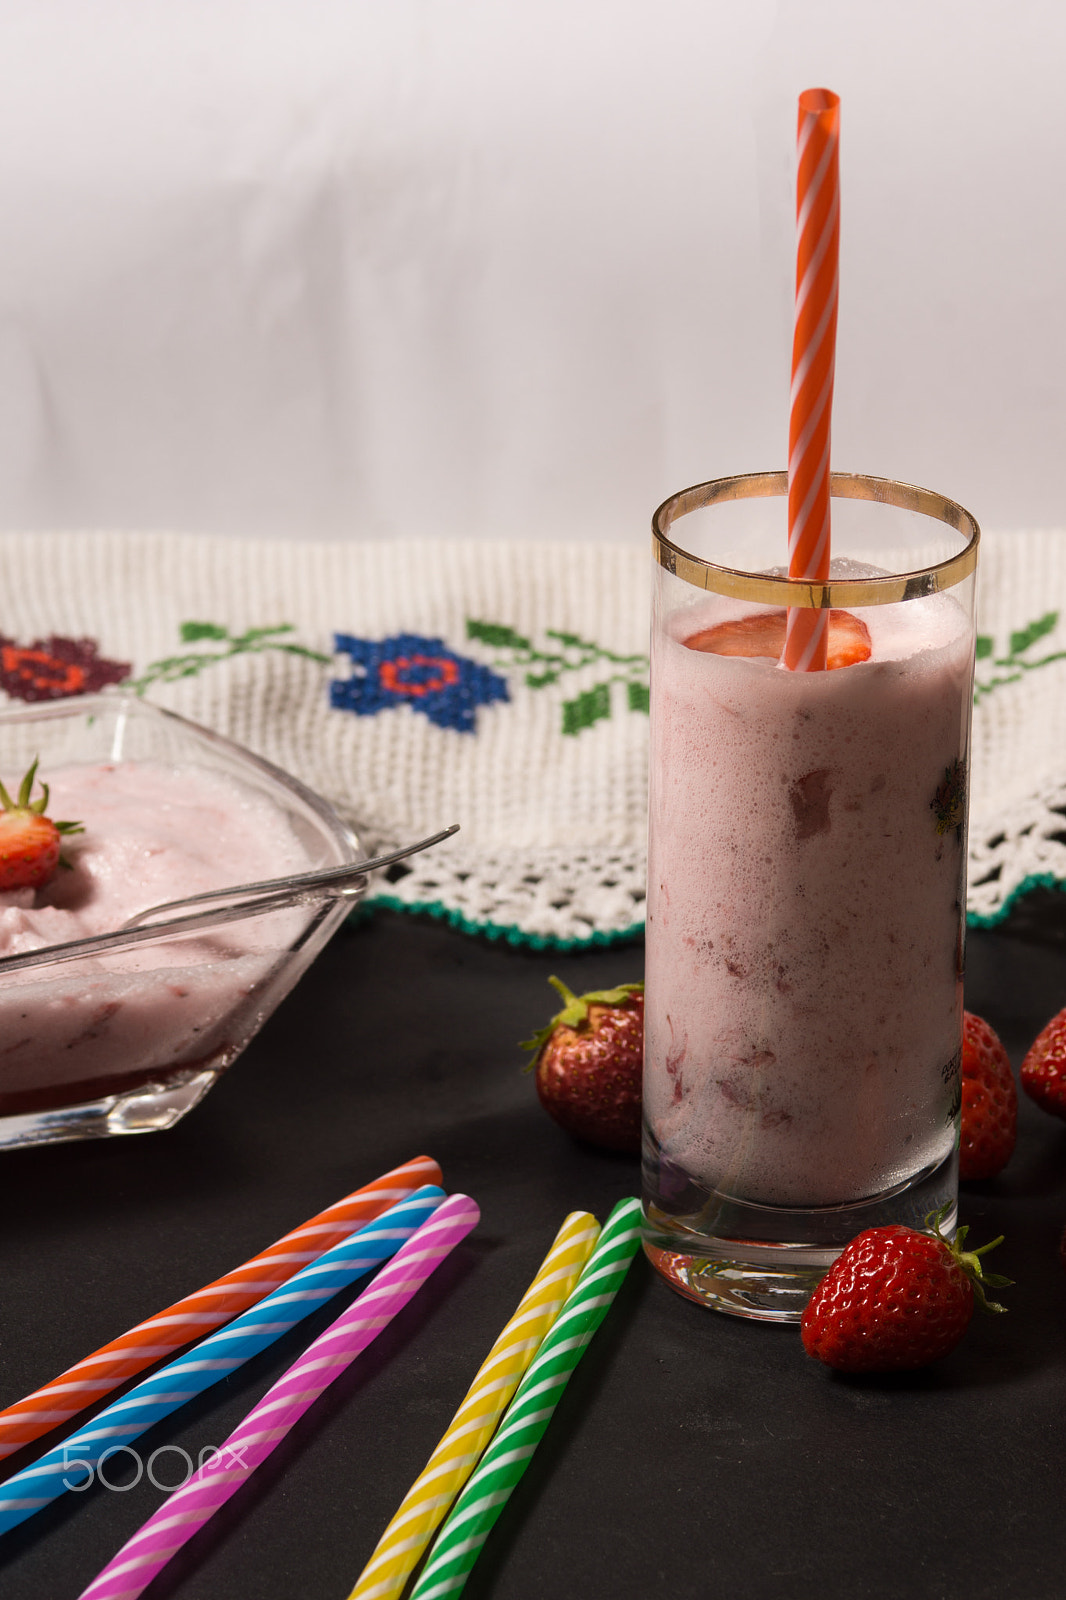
(970, 1260)
(567, 996)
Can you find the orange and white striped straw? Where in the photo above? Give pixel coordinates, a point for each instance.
(813, 360)
(208, 1308)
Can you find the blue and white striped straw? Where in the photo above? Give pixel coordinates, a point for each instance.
(215, 1358)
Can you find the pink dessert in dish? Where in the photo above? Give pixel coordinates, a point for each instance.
(136, 1034)
(152, 834)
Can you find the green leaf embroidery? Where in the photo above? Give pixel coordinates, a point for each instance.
(251, 634)
(169, 669)
(191, 631)
(1036, 630)
(297, 650)
(593, 705)
(1016, 663)
(495, 634)
(547, 667)
(594, 652)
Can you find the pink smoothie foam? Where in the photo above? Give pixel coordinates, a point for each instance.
(804, 983)
(152, 834)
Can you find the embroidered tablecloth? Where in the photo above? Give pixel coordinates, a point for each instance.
(502, 685)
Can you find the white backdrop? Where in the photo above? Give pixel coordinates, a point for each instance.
(369, 268)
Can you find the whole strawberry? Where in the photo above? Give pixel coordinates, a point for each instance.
(896, 1298)
(1043, 1072)
(589, 1063)
(989, 1102)
(30, 842)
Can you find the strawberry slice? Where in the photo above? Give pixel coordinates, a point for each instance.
(764, 635)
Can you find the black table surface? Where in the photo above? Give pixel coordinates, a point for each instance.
(693, 1454)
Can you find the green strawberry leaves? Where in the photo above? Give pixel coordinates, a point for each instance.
(970, 1260)
(575, 1011)
(39, 806)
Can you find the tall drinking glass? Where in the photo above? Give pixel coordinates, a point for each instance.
(806, 886)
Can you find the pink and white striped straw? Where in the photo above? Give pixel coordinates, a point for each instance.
(251, 1442)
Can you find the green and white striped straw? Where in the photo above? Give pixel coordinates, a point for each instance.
(426, 1503)
(479, 1505)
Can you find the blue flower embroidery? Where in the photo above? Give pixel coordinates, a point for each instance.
(408, 669)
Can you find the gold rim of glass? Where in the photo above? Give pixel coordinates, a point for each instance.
(783, 591)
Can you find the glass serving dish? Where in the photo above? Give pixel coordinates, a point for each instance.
(125, 1033)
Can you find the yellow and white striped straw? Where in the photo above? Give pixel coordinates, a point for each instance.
(426, 1502)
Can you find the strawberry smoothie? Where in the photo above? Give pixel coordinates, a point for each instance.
(103, 1024)
(804, 947)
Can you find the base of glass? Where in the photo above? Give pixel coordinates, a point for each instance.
(765, 1291)
(768, 1260)
(147, 1109)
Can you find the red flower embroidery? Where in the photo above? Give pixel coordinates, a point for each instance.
(55, 668)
